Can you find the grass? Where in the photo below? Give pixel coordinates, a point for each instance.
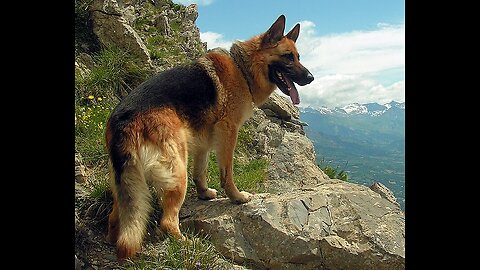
(165, 50)
(115, 73)
(162, 48)
(247, 175)
(176, 26)
(91, 116)
(194, 254)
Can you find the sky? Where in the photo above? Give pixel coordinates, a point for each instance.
(354, 48)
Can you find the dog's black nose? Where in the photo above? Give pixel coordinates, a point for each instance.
(305, 78)
(309, 77)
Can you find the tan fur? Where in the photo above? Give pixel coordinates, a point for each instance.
(159, 141)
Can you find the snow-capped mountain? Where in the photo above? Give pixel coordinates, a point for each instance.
(366, 140)
(355, 108)
(373, 109)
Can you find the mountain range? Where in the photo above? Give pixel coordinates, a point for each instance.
(365, 140)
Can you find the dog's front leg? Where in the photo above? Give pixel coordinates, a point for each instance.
(225, 141)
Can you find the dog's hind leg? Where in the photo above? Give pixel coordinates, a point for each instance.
(200, 163)
(168, 174)
(133, 205)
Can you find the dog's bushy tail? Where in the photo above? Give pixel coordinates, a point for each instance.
(130, 192)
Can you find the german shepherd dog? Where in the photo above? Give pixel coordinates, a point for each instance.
(192, 109)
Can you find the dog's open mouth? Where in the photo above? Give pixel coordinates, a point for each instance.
(285, 84)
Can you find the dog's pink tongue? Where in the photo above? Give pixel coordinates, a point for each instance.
(293, 91)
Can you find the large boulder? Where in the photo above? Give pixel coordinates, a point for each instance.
(112, 29)
(334, 225)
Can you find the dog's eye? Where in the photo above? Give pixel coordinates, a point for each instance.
(288, 56)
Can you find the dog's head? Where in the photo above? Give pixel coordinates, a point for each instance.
(284, 67)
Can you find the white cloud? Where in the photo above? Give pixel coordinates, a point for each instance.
(198, 2)
(344, 65)
(215, 40)
(340, 89)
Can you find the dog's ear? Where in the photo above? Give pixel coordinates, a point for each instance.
(293, 34)
(275, 33)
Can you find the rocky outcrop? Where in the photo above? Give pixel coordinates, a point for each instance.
(384, 192)
(281, 111)
(279, 138)
(112, 29)
(159, 34)
(333, 225)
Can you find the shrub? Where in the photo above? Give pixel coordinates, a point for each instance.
(333, 172)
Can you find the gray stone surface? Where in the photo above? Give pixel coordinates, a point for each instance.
(291, 155)
(384, 192)
(282, 107)
(334, 225)
(112, 29)
(80, 174)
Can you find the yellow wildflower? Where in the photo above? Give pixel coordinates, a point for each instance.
(99, 99)
(91, 97)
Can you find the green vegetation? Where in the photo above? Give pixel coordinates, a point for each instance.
(91, 116)
(332, 172)
(114, 74)
(195, 253)
(176, 27)
(248, 175)
(162, 48)
(176, 7)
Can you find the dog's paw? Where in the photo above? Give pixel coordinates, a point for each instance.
(242, 197)
(207, 194)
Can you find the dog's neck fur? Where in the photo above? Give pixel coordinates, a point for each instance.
(239, 55)
(260, 93)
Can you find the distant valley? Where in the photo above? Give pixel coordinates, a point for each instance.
(365, 140)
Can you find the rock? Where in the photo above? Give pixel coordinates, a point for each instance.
(281, 111)
(290, 154)
(282, 107)
(112, 29)
(293, 165)
(78, 263)
(334, 225)
(162, 24)
(80, 174)
(191, 13)
(160, 3)
(86, 60)
(384, 192)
